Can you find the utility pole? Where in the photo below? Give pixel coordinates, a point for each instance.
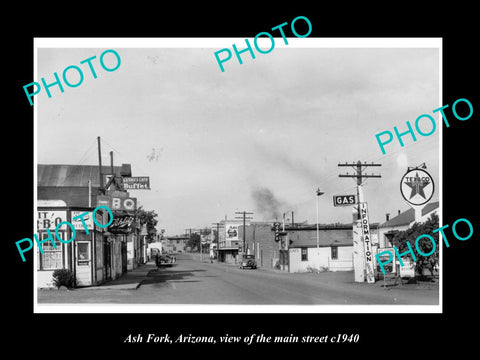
(319, 193)
(217, 224)
(359, 176)
(111, 163)
(101, 189)
(362, 249)
(245, 217)
(189, 231)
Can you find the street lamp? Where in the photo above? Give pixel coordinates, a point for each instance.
(318, 237)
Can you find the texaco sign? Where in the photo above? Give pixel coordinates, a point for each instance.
(417, 187)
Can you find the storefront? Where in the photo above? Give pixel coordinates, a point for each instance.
(83, 255)
(122, 241)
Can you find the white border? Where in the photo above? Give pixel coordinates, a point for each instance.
(225, 43)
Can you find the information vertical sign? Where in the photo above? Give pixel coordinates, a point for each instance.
(367, 244)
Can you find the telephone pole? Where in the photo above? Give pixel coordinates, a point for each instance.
(245, 217)
(217, 224)
(101, 189)
(362, 242)
(359, 176)
(189, 231)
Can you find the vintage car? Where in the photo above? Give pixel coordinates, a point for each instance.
(164, 260)
(248, 261)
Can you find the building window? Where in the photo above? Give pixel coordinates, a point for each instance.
(83, 251)
(304, 254)
(51, 258)
(334, 252)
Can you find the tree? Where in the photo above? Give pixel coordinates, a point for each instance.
(194, 241)
(148, 218)
(424, 244)
(206, 231)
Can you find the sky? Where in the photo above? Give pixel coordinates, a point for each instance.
(259, 137)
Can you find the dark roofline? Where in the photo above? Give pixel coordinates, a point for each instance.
(409, 215)
(326, 227)
(68, 175)
(320, 245)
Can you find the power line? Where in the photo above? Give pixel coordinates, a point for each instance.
(245, 217)
(359, 175)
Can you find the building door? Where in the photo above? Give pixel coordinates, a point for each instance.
(107, 260)
(124, 257)
(84, 263)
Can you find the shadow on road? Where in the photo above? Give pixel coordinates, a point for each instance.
(162, 275)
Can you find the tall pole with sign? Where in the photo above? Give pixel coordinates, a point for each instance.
(319, 193)
(218, 240)
(417, 188)
(244, 217)
(363, 264)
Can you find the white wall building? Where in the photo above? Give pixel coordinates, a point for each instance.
(402, 222)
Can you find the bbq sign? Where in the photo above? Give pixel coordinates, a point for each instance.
(417, 186)
(343, 200)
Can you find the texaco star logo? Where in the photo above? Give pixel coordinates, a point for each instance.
(417, 187)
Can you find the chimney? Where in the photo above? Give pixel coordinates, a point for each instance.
(387, 216)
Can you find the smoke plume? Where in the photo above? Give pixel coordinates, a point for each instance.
(266, 204)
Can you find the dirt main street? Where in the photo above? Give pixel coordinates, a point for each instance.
(195, 281)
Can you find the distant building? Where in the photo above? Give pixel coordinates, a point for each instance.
(402, 222)
(177, 243)
(229, 241)
(297, 250)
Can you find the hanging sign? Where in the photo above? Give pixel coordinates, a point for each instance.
(117, 203)
(136, 183)
(417, 186)
(122, 224)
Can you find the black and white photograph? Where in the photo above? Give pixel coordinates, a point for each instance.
(261, 188)
(225, 181)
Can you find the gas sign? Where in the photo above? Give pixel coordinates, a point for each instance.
(344, 200)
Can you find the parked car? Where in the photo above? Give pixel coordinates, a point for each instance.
(248, 261)
(164, 260)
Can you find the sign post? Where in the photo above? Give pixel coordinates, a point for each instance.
(358, 257)
(367, 243)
